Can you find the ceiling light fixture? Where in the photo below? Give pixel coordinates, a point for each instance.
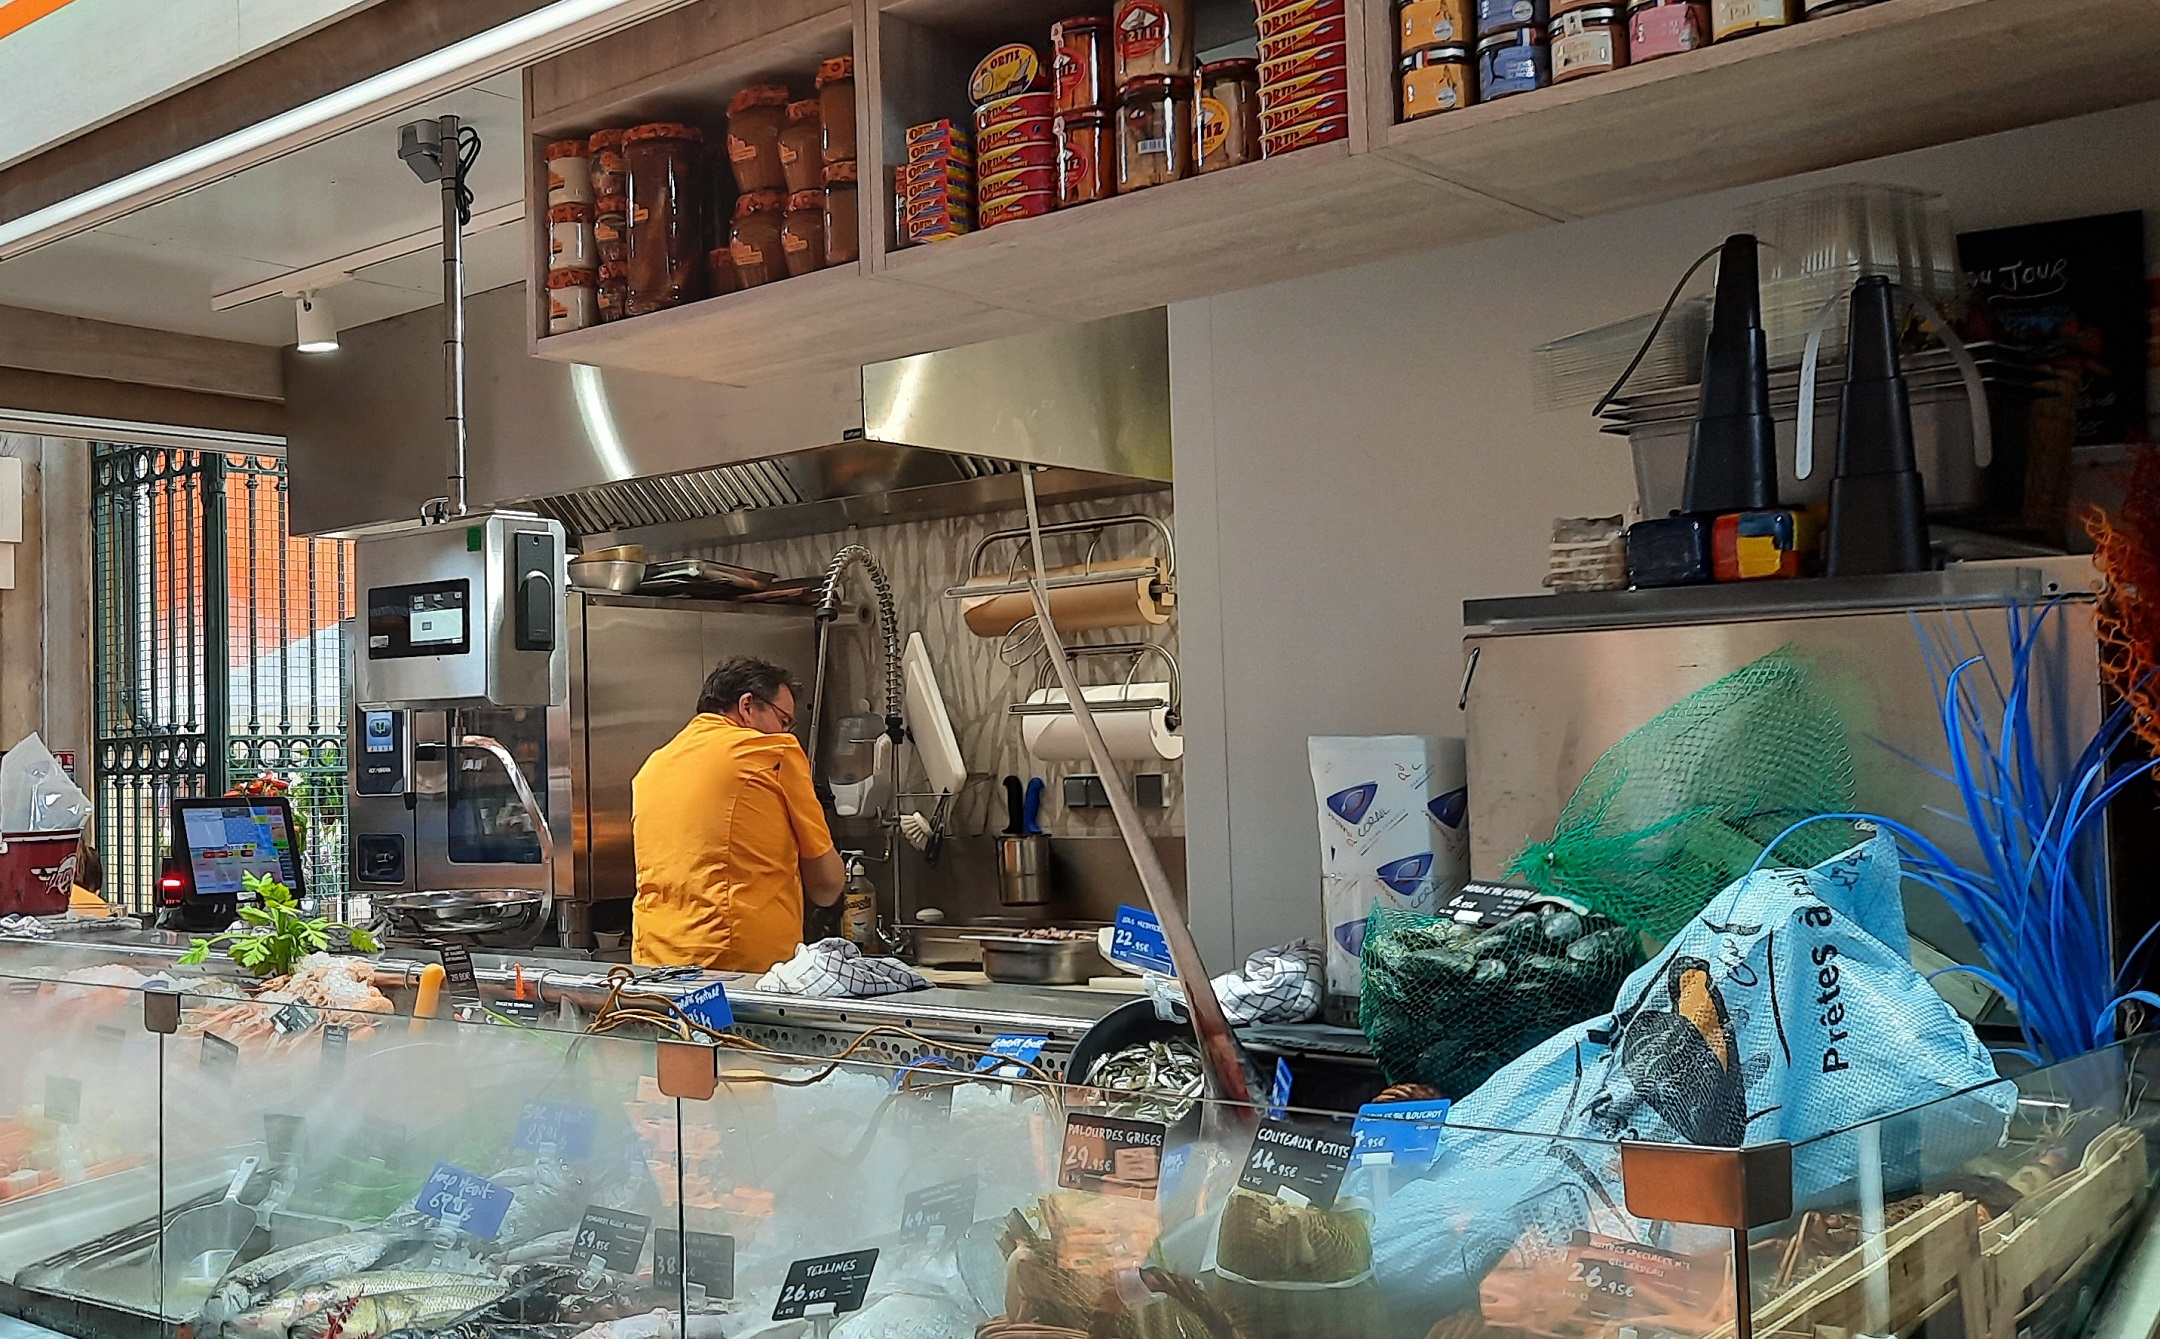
(522, 41)
(318, 326)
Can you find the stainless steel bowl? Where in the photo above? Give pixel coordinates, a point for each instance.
(501, 916)
(1041, 962)
(613, 576)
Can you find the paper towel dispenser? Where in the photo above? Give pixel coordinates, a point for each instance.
(466, 613)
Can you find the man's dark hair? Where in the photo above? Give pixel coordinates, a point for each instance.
(736, 675)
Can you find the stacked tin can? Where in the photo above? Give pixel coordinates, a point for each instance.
(1432, 48)
(1666, 27)
(937, 183)
(1587, 37)
(573, 263)
(1512, 56)
(1304, 74)
(1016, 148)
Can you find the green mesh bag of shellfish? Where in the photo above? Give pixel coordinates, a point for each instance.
(1684, 804)
(1448, 1004)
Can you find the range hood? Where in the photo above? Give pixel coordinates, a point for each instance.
(816, 491)
(611, 453)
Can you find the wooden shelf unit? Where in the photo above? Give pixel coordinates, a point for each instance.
(1896, 76)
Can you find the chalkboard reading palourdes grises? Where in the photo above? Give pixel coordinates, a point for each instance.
(838, 1282)
(1298, 1157)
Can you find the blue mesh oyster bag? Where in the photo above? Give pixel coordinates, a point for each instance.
(1786, 1010)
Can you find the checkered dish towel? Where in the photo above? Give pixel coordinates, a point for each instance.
(836, 969)
(1279, 985)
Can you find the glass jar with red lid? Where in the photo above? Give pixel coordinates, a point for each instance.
(664, 252)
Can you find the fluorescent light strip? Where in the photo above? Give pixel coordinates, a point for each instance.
(535, 36)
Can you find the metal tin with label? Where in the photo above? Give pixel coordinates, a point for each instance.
(1589, 40)
(1737, 18)
(1513, 62)
(1667, 29)
(1499, 16)
(1437, 79)
(1421, 24)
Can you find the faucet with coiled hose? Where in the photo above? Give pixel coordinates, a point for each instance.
(828, 609)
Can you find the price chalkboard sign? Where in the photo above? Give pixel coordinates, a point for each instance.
(63, 1099)
(293, 1019)
(1298, 1160)
(459, 978)
(461, 1199)
(1136, 939)
(1109, 1155)
(614, 1237)
(219, 1057)
(707, 1257)
(282, 1135)
(940, 1213)
(561, 1128)
(828, 1285)
(334, 1037)
(516, 1011)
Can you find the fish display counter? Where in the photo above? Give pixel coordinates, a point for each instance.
(184, 1159)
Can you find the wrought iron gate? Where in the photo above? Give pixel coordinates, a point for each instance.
(218, 652)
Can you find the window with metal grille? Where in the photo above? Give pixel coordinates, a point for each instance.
(196, 570)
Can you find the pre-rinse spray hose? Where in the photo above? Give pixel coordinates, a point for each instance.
(1220, 1053)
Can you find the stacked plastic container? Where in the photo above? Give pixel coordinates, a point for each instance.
(1304, 74)
(1817, 244)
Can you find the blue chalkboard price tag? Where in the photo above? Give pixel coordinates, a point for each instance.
(1136, 939)
(1010, 1054)
(1399, 1134)
(561, 1128)
(709, 1005)
(462, 1199)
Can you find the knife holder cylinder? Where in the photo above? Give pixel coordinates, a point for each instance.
(1024, 870)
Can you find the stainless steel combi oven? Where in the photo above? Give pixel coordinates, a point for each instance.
(429, 813)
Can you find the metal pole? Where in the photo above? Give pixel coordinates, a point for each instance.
(453, 260)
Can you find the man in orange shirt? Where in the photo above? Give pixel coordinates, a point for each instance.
(730, 835)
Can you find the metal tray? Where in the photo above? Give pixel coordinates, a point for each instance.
(700, 576)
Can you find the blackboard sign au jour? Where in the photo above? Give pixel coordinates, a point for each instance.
(1298, 1159)
(829, 1285)
(219, 1056)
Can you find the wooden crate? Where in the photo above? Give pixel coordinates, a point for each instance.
(2053, 1235)
(1927, 1262)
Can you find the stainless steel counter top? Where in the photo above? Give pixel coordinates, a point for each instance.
(1061, 1014)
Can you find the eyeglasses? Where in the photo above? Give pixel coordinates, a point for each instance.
(787, 718)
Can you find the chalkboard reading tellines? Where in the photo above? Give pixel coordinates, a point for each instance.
(831, 1285)
(1298, 1158)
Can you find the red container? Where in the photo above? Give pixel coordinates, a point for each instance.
(37, 872)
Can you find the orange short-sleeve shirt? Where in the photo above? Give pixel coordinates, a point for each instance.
(723, 817)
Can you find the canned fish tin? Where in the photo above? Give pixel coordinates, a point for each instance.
(1667, 29)
(1499, 16)
(1737, 18)
(1513, 62)
(1424, 24)
(1591, 40)
(1437, 79)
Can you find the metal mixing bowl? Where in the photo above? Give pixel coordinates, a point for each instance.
(497, 915)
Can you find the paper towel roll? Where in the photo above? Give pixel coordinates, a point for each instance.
(1110, 604)
(1132, 736)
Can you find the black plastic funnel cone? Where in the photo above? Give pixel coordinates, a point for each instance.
(1732, 457)
(1878, 509)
